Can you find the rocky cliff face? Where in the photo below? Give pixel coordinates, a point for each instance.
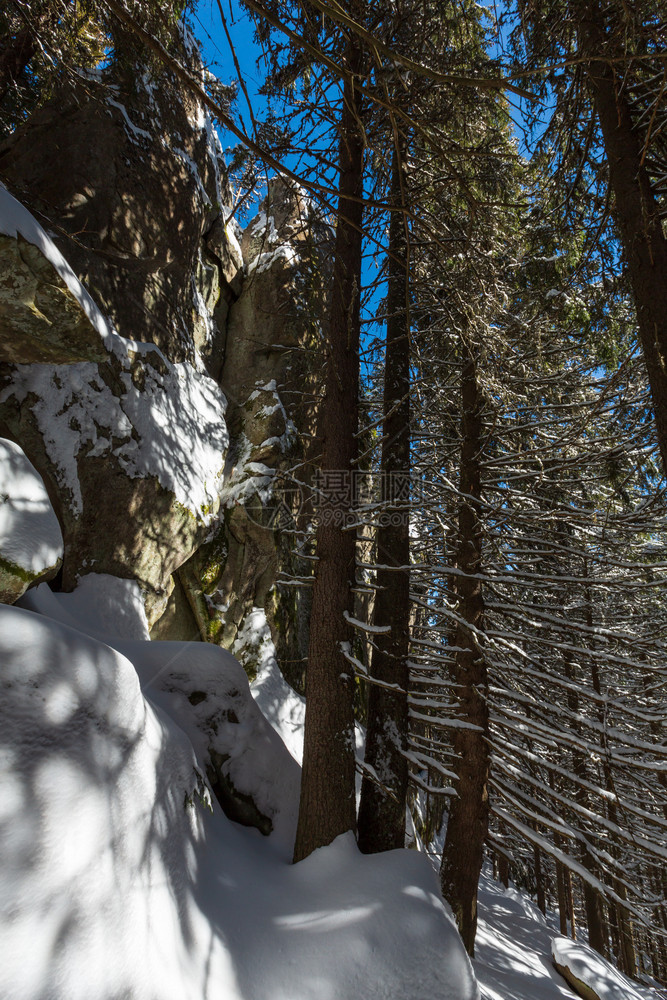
(163, 423)
(270, 378)
(128, 173)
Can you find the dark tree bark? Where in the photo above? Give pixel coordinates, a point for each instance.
(562, 899)
(327, 805)
(382, 806)
(563, 884)
(593, 901)
(635, 208)
(469, 812)
(539, 879)
(626, 948)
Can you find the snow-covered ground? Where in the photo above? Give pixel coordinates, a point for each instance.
(582, 965)
(513, 953)
(120, 877)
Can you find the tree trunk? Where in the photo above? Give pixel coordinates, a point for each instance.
(626, 947)
(327, 805)
(562, 898)
(539, 879)
(635, 209)
(504, 870)
(382, 806)
(593, 902)
(469, 812)
(563, 883)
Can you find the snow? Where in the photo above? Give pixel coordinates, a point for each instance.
(279, 703)
(264, 261)
(262, 225)
(265, 227)
(121, 878)
(133, 130)
(513, 948)
(246, 478)
(30, 535)
(233, 232)
(182, 434)
(588, 967)
(513, 953)
(190, 164)
(203, 689)
(364, 627)
(98, 845)
(104, 607)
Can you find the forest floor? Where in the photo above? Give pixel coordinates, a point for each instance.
(120, 879)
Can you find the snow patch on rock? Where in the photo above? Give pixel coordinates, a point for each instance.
(588, 973)
(173, 427)
(30, 535)
(102, 606)
(16, 220)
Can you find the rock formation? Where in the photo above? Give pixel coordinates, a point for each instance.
(170, 412)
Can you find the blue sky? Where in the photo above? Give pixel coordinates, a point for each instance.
(209, 30)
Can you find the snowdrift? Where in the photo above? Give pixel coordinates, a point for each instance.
(588, 974)
(121, 876)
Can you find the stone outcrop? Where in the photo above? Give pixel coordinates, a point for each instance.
(175, 432)
(159, 367)
(41, 320)
(129, 435)
(128, 173)
(271, 379)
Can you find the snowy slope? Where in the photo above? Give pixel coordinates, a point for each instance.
(589, 969)
(118, 881)
(513, 948)
(99, 839)
(120, 878)
(513, 954)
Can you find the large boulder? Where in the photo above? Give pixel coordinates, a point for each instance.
(272, 380)
(122, 416)
(127, 170)
(132, 449)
